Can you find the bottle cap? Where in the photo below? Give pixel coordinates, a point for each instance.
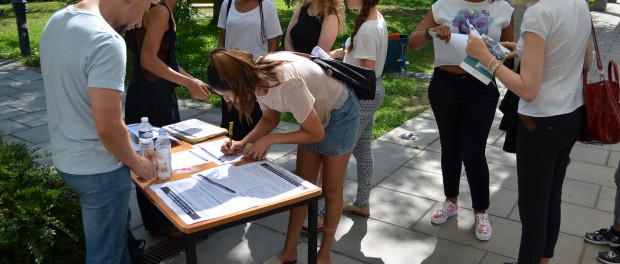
(162, 131)
(144, 119)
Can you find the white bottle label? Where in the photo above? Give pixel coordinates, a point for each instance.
(164, 168)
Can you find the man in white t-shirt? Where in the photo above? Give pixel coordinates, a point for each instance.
(83, 65)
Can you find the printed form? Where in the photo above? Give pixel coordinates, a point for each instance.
(228, 189)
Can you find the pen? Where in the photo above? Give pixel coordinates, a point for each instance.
(230, 134)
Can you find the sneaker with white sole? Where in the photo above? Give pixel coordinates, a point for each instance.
(482, 227)
(609, 257)
(442, 214)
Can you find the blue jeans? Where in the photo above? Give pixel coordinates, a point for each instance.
(105, 203)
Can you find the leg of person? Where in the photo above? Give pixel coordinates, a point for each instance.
(609, 235)
(566, 129)
(477, 116)
(308, 165)
(363, 153)
(105, 203)
(333, 179)
(538, 151)
(445, 101)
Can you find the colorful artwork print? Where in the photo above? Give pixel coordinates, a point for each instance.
(481, 19)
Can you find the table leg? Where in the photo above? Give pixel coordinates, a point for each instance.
(312, 221)
(190, 249)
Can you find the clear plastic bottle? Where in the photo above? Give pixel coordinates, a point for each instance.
(145, 138)
(163, 148)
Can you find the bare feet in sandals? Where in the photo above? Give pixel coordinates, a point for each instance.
(350, 208)
(319, 225)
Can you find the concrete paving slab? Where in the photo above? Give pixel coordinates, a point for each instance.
(496, 155)
(580, 193)
(435, 146)
(492, 258)
(415, 182)
(606, 199)
(568, 249)
(280, 150)
(497, 119)
(29, 106)
(288, 161)
(210, 118)
(577, 220)
(502, 176)
(287, 126)
(589, 154)
(188, 113)
(27, 76)
(6, 100)
(387, 158)
(9, 126)
(33, 119)
(6, 74)
(613, 147)
(6, 90)
(494, 135)
(396, 208)
(428, 114)
(426, 161)
(591, 173)
(614, 159)
(29, 95)
(12, 139)
(460, 229)
(28, 85)
(34, 135)
(7, 112)
(384, 243)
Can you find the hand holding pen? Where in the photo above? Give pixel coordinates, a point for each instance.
(230, 134)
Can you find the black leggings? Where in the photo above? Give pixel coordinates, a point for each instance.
(464, 109)
(543, 148)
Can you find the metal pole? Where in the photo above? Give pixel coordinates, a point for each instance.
(20, 9)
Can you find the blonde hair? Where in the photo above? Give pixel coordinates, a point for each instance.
(234, 70)
(324, 8)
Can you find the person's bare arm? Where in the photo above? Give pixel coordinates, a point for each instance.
(288, 43)
(272, 44)
(587, 60)
(156, 24)
(311, 132)
(221, 41)
(417, 39)
(525, 85)
(107, 110)
(368, 64)
(329, 32)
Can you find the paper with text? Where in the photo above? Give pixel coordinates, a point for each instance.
(212, 151)
(228, 189)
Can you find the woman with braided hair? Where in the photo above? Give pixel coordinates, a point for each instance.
(367, 47)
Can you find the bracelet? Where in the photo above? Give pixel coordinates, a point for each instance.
(426, 35)
(494, 68)
(489, 65)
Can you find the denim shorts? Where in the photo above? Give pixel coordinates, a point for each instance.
(341, 131)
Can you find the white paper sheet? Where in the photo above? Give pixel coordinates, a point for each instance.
(212, 151)
(452, 52)
(186, 159)
(228, 189)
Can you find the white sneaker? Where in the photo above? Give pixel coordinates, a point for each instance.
(482, 227)
(442, 213)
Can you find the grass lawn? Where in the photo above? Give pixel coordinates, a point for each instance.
(405, 97)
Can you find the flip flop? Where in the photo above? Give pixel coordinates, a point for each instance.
(350, 208)
(319, 225)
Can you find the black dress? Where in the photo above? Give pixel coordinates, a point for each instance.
(151, 96)
(305, 34)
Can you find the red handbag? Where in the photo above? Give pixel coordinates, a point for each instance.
(602, 104)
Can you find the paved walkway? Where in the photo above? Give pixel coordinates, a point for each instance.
(407, 186)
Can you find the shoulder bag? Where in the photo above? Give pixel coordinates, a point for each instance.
(602, 105)
(361, 80)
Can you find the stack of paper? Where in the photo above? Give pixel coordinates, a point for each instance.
(194, 130)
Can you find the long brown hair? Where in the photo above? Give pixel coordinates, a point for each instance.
(324, 8)
(234, 70)
(361, 18)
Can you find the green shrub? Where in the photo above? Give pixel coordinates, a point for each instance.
(40, 219)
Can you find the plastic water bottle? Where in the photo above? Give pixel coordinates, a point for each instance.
(163, 148)
(145, 138)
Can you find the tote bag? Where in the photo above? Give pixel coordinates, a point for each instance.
(602, 103)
